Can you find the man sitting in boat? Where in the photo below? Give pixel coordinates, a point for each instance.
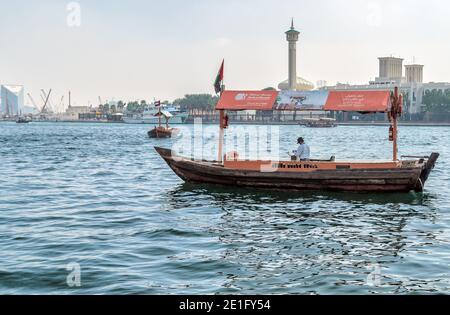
(303, 152)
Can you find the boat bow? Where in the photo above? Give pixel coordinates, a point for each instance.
(429, 166)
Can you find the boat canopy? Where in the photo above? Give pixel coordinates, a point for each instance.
(359, 101)
(164, 113)
(349, 101)
(247, 100)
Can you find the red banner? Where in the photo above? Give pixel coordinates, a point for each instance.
(347, 101)
(247, 100)
(358, 101)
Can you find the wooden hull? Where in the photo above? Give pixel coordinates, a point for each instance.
(163, 132)
(21, 121)
(396, 179)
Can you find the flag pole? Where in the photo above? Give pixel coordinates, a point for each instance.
(220, 158)
(221, 135)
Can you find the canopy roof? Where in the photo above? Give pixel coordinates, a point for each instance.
(164, 113)
(359, 101)
(350, 101)
(247, 100)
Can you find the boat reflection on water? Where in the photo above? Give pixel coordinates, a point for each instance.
(319, 243)
(262, 196)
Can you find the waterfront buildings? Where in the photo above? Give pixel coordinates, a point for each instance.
(392, 73)
(12, 99)
(74, 112)
(411, 85)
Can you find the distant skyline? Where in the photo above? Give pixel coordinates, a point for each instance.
(142, 49)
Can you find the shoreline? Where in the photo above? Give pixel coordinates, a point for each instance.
(259, 123)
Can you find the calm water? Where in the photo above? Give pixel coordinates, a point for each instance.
(99, 196)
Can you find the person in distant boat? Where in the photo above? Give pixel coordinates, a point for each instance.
(303, 152)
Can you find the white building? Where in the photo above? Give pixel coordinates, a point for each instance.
(414, 73)
(73, 112)
(12, 99)
(391, 69)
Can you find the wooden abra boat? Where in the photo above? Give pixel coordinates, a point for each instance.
(408, 174)
(163, 131)
(401, 176)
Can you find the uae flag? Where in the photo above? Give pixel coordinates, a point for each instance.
(157, 103)
(219, 79)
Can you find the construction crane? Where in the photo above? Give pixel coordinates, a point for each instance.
(49, 106)
(45, 100)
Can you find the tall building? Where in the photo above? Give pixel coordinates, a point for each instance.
(293, 82)
(391, 70)
(391, 76)
(414, 73)
(292, 38)
(12, 99)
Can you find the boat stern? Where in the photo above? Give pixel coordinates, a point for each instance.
(429, 166)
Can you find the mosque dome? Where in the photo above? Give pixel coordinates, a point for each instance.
(302, 85)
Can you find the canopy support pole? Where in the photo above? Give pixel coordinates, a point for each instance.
(396, 111)
(221, 136)
(395, 134)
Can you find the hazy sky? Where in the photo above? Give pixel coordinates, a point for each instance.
(145, 49)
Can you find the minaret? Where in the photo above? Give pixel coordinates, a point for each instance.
(292, 38)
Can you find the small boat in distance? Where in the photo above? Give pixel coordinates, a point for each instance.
(161, 131)
(319, 123)
(149, 116)
(23, 120)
